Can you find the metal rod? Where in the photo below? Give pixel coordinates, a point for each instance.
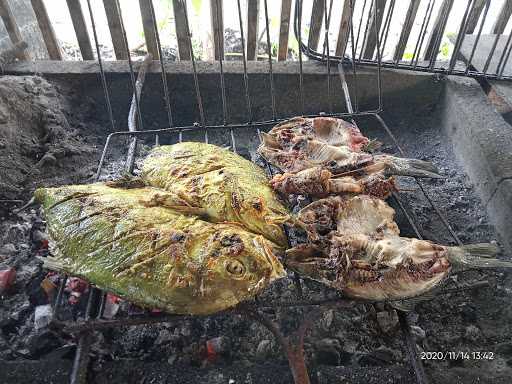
(244, 57)
(132, 126)
(220, 49)
(326, 44)
(477, 39)
(271, 74)
(461, 35)
(410, 344)
(298, 35)
(164, 73)
(196, 81)
(102, 72)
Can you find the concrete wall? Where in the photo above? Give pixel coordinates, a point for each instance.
(27, 23)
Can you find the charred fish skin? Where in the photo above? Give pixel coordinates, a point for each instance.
(154, 256)
(227, 186)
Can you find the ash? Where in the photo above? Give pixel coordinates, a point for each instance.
(361, 344)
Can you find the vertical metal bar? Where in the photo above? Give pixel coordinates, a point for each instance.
(406, 30)
(196, 80)
(343, 34)
(149, 26)
(253, 14)
(132, 72)
(360, 23)
(284, 29)
(58, 299)
(315, 25)
(245, 77)
(366, 28)
(219, 49)
(217, 21)
(353, 46)
(298, 9)
(477, 39)
(475, 15)
(181, 30)
(491, 54)
(82, 35)
(423, 33)
(45, 25)
(499, 69)
(326, 44)
(460, 35)
(379, 61)
(375, 19)
(271, 74)
(164, 72)
(502, 19)
(102, 71)
(387, 25)
(437, 32)
(410, 344)
(113, 16)
(137, 92)
(500, 74)
(12, 28)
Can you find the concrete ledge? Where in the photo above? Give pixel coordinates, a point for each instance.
(482, 140)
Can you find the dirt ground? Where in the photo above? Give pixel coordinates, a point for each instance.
(46, 140)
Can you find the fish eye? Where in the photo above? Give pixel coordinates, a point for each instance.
(235, 267)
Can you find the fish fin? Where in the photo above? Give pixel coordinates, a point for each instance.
(371, 146)
(52, 263)
(476, 256)
(411, 167)
(408, 305)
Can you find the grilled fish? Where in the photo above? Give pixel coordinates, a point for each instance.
(120, 241)
(334, 144)
(218, 184)
(319, 182)
(356, 247)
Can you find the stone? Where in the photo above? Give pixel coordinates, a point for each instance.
(418, 333)
(216, 347)
(388, 321)
(8, 249)
(472, 333)
(164, 337)
(43, 316)
(172, 359)
(327, 319)
(264, 349)
(328, 352)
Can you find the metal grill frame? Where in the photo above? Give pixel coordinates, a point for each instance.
(96, 299)
(429, 64)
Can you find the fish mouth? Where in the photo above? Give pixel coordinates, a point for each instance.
(360, 280)
(276, 268)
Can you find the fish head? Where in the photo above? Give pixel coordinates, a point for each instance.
(238, 265)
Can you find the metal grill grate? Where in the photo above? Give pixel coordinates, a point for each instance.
(422, 28)
(96, 300)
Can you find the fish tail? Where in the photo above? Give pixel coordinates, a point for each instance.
(412, 167)
(475, 256)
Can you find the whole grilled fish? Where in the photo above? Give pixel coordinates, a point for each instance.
(120, 241)
(335, 145)
(356, 247)
(218, 184)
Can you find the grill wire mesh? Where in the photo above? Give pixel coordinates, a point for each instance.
(96, 299)
(382, 15)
